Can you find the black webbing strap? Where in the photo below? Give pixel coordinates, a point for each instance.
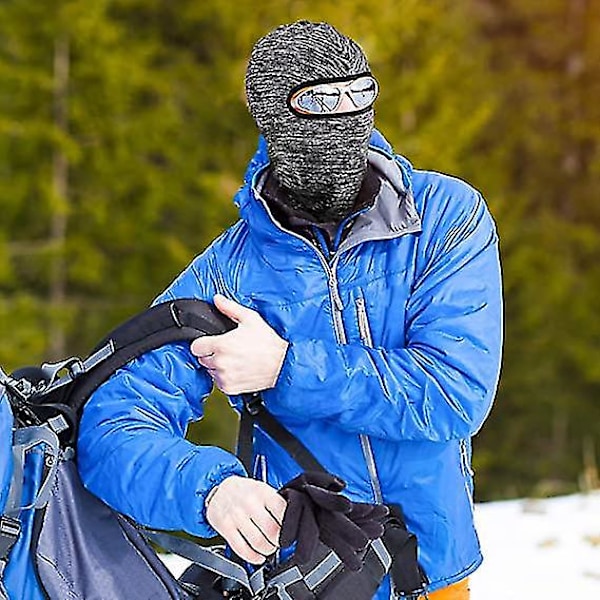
(177, 320)
(255, 413)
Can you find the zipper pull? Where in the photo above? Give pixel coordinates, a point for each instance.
(335, 294)
(363, 322)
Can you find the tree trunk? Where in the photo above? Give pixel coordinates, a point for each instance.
(60, 197)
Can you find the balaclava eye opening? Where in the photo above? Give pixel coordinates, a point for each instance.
(320, 163)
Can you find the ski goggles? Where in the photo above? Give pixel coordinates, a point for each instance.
(334, 97)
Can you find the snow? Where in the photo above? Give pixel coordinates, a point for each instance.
(536, 549)
(533, 549)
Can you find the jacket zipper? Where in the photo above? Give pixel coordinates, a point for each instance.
(467, 471)
(366, 338)
(338, 326)
(340, 334)
(464, 459)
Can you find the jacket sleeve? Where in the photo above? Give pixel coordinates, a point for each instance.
(440, 385)
(132, 452)
(6, 422)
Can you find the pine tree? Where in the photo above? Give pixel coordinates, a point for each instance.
(542, 149)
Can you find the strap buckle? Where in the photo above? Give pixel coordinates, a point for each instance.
(73, 366)
(10, 529)
(19, 389)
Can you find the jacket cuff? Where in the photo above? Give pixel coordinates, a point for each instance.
(210, 484)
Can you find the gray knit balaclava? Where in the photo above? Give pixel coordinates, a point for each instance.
(320, 163)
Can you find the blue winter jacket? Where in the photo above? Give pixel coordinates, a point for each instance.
(6, 424)
(393, 362)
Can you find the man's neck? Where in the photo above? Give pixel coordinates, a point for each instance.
(303, 223)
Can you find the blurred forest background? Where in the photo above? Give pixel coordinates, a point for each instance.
(124, 135)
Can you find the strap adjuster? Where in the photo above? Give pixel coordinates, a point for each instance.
(253, 403)
(10, 529)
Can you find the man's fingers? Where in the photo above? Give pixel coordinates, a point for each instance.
(236, 312)
(263, 537)
(203, 346)
(243, 549)
(208, 362)
(246, 359)
(255, 538)
(247, 513)
(276, 505)
(268, 522)
(262, 533)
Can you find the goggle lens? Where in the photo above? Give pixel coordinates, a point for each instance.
(363, 91)
(325, 99)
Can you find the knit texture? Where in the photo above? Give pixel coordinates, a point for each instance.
(320, 163)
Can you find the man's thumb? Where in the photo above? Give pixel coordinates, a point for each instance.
(236, 312)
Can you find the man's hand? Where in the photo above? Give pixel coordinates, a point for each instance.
(248, 514)
(246, 359)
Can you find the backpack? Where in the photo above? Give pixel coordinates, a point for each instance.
(57, 540)
(60, 542)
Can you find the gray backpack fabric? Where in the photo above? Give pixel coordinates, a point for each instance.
(87, 551)
(58, 541)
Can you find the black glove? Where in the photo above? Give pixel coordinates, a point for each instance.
(370, 518)
(348, 534)
(317, 511)
(300, 524)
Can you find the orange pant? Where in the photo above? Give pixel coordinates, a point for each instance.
(457, 591)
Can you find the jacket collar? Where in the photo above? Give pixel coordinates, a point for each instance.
(393, 213)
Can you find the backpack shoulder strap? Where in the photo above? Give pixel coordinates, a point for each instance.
(37, 393)
(172, 321)
(255, 413)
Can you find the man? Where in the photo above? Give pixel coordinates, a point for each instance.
(368, 302)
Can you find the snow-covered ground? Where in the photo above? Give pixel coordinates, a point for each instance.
(534, 549)
(538, 549)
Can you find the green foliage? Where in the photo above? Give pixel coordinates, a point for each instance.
(124, 135)
(541, 155)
